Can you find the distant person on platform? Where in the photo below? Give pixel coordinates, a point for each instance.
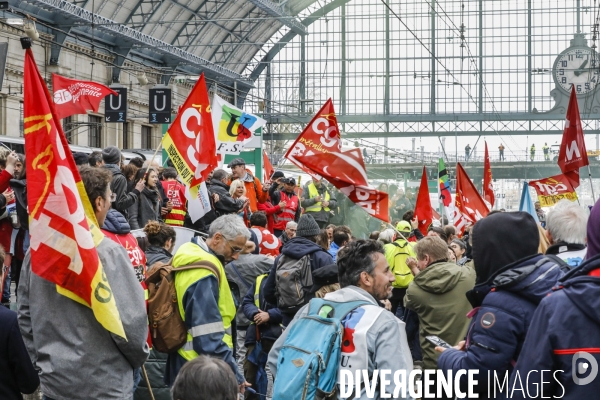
(532, 152)
(546, 151)
(318, 202)
(467, 152)
(501, 151)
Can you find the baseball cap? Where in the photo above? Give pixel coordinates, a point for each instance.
(277, 175)
(403, 226)
(289, 181)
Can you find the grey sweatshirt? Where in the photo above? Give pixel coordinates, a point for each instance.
(76, 357)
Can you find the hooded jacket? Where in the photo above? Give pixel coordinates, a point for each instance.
(566, 322)
(296, 248)
(119, 187)
(437, 295)
(387, 347)
(19, 186)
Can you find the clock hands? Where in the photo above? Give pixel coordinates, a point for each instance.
(580, 70)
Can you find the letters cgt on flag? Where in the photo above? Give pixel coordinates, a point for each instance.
(63, 226)
(73, 96)
(553, 189)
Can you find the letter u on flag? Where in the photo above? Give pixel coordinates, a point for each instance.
(63, 226)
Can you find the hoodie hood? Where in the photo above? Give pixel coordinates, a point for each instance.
(502, 239)
(298, 247)
(593, 232)
(583, 289)
(439, 277)
(115, 222)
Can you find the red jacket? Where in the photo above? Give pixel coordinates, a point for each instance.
(271, 212)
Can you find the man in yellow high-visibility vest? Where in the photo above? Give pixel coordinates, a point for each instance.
(318, 202)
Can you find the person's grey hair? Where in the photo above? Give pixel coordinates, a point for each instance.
(291, 225)
(230, 226)
(434, 247)
(219, 174)
(205, 378)
(234, 185)
(567, 222)
(387, 236)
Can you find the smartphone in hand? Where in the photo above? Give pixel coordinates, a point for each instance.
(438, 342)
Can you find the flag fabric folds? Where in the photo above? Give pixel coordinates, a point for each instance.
(553, 189)
(488, 187)
(190, 140)
(233, 127)
(444, 184)
(198, 203)
(321, 136)
(526, 204)
(572, 154)
(72, 96)
(469, 207)
(267, 167)
(64, 231)
(423, 210)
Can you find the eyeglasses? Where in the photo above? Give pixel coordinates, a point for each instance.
(113, 197)
(235, 250)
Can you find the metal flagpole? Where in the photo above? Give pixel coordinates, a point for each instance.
(591, 185)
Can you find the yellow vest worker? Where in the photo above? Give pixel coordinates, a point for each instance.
(314, 197)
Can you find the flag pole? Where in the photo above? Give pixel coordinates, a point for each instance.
(591, 185)
(152, 160)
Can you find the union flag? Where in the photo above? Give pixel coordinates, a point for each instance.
(64, 231)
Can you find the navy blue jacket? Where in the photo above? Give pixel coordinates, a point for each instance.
(296, 248)
(115, 222)
(272, 329)
(17, 374)
(565, 322)
(498, 327)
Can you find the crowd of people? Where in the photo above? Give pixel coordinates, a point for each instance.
(508, 295)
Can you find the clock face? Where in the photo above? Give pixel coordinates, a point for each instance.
(578, 67)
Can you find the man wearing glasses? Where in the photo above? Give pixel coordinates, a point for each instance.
(205, 301)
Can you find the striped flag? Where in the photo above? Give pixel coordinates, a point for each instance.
(444, 183)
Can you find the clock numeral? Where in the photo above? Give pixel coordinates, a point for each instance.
(563, 79)
(564, 63)
(578, 88)
(561, 71)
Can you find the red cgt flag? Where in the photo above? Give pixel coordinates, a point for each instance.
(190, 140)
(423, 209)
(63, 227)
(346, 171)
(488, 187)
(468, 204)
(267, 167)
(73, 96)
(321, 136)
(573, 154)
(553, 189)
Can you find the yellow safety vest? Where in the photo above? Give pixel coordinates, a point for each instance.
(259, 279)
(313, 192)
(187, 254)
(175, 222)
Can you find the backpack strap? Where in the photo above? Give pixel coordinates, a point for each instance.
(201, 265)
(248, 286)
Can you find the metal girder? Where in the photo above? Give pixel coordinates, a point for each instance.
(137, 37)
(141, 13)
(277, 11)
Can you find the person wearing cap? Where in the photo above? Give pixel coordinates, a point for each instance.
(304, 244)
(318, 202)
(255, 191)
(289, 205)
(276, 184)
(396, 254)
(111, 156)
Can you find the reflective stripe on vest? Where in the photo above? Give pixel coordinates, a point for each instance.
(287, 214)
(259, 279)
(187, 254)
(313, 192)
(175, 217)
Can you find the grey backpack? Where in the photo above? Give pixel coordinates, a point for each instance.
(293, 279)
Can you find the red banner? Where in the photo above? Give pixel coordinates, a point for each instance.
(190, 140)
(73, 96)
(64, 231)
(553, 189)
(346, 171)
(267, 167)
(573, 154)
(321, 136)
(423, 209)
(488, 187)
(468, 204)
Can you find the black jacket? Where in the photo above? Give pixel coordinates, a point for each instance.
(119, 187)
(20, 189)
(17, 374)
(145, 208)
(226, 203)
(155, 254)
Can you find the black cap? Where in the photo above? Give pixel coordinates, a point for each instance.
(289, 181)
(235, 162)
(277, 175)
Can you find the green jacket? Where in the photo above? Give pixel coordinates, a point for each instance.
(437, 295)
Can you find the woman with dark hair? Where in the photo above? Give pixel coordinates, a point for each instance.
(147, 206)
(437, 231)
(323, 239)
(460, 249)
(161, 240)
(130, 170)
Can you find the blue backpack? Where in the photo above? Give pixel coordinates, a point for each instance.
(309, 359)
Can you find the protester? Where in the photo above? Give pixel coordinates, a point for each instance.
(566, 231)
(451, 255)
(175, 192)
(301, 247)
(562, 337)
(511, 281)
(205, 301)
(237, 190)
(289, 233)
(460, 251)
(387, 236)
(374, 235)
(95, 159)
(403, 204)
(437, 231)
(80, 158)
(147, 205)
(341, 237)
(378, 340)
(105, 363)
(437, 295)
(318, 201)
(276, 182)
(396, 254)
(205, 378)
(9, 222)
(129, 171)
(325, 280)
(323, 240)
(225, 203)
(289, 205)
(161, 239)
(267, 242)
(450, 232)
(541, 214)
(255, 191)
(111, 157)
(329, 230)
